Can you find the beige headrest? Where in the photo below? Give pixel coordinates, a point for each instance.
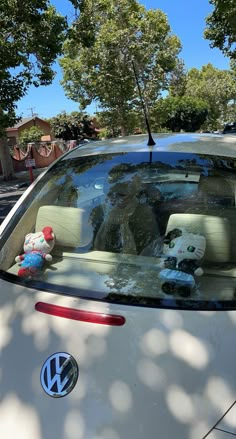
(216, 188)
(70, 225)
(215, 185)
(215, 229)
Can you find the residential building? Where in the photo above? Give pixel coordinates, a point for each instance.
(13, 133)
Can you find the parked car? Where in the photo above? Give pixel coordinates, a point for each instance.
(229, 128)
(118, 294)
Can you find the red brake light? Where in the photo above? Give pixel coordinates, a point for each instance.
(81, 315)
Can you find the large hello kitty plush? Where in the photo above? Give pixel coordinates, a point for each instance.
(37, 247)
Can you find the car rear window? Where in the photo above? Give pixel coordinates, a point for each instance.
(137, 229)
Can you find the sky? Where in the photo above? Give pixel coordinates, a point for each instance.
(187, 21)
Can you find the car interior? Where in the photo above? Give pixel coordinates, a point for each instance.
(204, 205)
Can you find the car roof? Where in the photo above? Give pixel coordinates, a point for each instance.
(212, 144)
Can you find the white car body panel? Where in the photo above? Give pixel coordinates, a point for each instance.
(173, 374)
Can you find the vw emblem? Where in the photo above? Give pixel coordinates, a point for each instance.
(59, 374)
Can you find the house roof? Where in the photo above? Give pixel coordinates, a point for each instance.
(23, 121)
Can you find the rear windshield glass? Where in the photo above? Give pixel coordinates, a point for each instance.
(147, 229)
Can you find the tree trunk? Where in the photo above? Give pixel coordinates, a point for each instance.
(122, 117)
(6, 160)
(123, 130)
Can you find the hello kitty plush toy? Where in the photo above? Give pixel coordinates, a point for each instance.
(37, 247)
(183, 252)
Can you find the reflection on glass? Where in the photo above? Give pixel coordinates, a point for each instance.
(162, 233)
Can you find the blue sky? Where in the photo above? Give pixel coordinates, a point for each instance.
(187, 21)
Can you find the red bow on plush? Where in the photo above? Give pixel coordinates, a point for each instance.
(48, 235)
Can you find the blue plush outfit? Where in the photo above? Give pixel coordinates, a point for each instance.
(33, 260)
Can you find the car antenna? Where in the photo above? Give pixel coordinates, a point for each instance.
(150, 138)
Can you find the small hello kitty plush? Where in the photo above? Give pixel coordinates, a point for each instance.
(183, 253)
(37, 247)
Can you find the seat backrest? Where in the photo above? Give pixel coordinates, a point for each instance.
(70, 225)
(215, 229)
(217, 191)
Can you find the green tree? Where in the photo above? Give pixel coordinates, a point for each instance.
(31, 35)
(221, 26)
(180, 113)
(214, 86)
(178, 79)
(74, 126)
(103, 43)
(32, 134)
(108, 121)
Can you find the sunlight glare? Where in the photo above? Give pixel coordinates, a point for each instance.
(151, 375)
(121, 396)
(154, 342)
(171, 319)
(199, 430)
(18, 420)
(219, 393)
(5, 331)
(74, 425)
(37, 326)
(232, 316)
(180, 404)
(189, 349)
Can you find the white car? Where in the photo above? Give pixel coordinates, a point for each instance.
(118, 294)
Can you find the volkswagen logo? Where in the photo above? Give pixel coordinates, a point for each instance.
(59, 374)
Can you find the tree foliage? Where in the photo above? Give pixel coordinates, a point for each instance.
(178, 113)
(178, 79)
(110, 127)
(221, 27)
(30, 39)
(32, 134)
(102, 43)
(214, 86)
(74, 126)
(31, 35)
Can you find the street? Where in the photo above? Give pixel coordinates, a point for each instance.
(9, 194)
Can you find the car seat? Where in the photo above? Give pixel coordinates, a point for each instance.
(70, 225)
(216, 192)
(215, 229)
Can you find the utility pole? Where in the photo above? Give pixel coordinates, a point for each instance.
(32, 112)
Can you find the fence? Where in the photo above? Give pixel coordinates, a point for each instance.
(43, 154)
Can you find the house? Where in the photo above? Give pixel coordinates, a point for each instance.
(13, 134)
